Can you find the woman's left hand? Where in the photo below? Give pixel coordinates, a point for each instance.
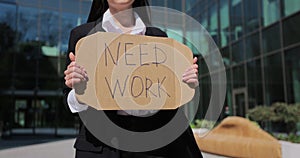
(190, 76)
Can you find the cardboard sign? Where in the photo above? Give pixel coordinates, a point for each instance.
(133, 72)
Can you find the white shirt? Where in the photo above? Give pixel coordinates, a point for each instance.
(109, 25)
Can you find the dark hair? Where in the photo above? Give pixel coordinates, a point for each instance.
(99, 7)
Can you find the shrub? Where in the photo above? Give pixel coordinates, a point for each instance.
(203, 124)
(278, 113)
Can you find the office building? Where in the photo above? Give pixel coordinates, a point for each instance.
(34, 42)
(259, 41)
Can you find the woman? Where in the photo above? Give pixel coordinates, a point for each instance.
(104, 12)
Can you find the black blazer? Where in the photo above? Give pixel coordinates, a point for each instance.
(184, 146)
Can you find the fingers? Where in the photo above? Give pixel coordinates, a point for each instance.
(70, 83)
(190, 76)
(74, 74)
(191, 70)
(195, 60)
(191, 80)
(73, 67)
(72, 56)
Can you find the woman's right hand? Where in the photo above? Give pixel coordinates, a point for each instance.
(75, 73)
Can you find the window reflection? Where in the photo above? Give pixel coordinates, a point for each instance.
(228, 101)
(203, 19)
(157, 2)
(204, 100)
(252, 46)
(271, 39)
(291, 6)
(213, 23)
(49, 27)
(292, 68)
(226, 56)
(7, 13)
(28, 23)
(236, 19)
(273, 79)
(175, 4)
(270, 11)
(251, 15)
(189, 4)
(203, 69)
(238, 76)
(254, 83)
(8, 38)
(33, 38)
(224, 22)
(68, 21)
(238, 54)
(291, 34)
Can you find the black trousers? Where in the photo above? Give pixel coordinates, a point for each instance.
(185, 146)
(108, 153)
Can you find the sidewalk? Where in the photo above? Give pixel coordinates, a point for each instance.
(56, 149)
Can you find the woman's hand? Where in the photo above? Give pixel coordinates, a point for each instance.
(74, 74)
(190, 76)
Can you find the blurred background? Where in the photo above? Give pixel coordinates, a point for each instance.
(259, 41)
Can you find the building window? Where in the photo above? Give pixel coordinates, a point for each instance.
(68, 21)
(31, 71)
(49, 27)
(274, 91)
(175, 4)
(255, 92)
(270, 11)
(203, 20)
(290, 7)
(238, 54)
(236, 22)
(251, 15)
(228, 100)
(224, 22)
(291, 33)
(28, 19)
(292, 72)
(160, 3)
(6, 110)
(8, 38)
(271, 38)
(252, 46)
(188, 4)
(203, 69)
(213, 27)
(205, 94)
(226, 56)
(238, 76)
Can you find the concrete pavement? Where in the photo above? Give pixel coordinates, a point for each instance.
(54, 149)
(57, 149)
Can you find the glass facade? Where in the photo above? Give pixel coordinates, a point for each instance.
(260, 42)
(33, 45)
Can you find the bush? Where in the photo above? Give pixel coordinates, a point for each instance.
(277, 113)
(290, 137)
(203, 124)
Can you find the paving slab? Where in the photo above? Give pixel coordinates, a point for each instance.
(54, 149)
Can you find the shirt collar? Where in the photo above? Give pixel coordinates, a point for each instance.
(109, 25)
